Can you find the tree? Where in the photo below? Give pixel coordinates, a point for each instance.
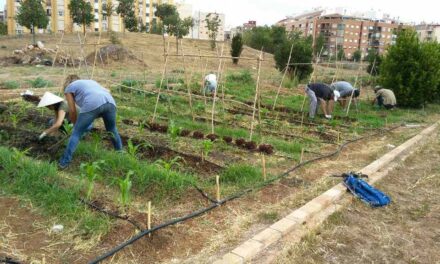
(31, 14)
(411, 69)
(302, 51)
(3, 28)
(212, 24)
(236, 47)
(107, 11)
(374, 62)
(131, 22)
(178, 27)
(155, 27)
(341, 54)
(166, 13)
(125, 9)
(319, 44)
(357, 55)
(81, 13)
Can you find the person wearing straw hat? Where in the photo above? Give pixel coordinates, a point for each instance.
(384, 97)
(345, 89)
(95, 102)
(321, 94)
(61, 110)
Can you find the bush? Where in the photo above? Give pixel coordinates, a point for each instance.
(411, 69)
(357, 55)
(236, 47)
(302, 52)
(40, 83)
(374, 60)
(11, 84)
(244, 77)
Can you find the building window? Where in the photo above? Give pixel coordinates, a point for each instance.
(365, 28)
(96, 10)
(96, 29)
(357, 26)
(61, 13)
(352, 26)
(346, 40)
(334, 25)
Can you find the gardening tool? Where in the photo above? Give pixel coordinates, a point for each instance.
(56, 145)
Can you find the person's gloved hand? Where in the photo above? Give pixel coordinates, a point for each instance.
(44, 134)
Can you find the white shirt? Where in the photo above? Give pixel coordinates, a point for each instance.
(211, 77)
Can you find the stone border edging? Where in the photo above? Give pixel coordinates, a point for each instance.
(299, 217)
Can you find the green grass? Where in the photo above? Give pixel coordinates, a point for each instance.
(39, 182)
(242, 175)
(39, 82)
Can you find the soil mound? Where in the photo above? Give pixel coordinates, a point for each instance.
(113, 53)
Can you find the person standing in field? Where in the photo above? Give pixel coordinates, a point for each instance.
(384, 97)
(321, 94)
(95, 102)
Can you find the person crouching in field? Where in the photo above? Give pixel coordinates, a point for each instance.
(321, 94)
(95, 102)
(346, 90)
(210, 84)
(384, 97)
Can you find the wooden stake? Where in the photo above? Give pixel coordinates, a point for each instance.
(352, 92)
(263, 162)
(217, 183)
(302, 156)
(94, 60)
(311, 78)
(149, 217)
(161, 82)
(56, 52)
(257, 87)
(339, 137)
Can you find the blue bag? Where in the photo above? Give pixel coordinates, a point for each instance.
(364, 191)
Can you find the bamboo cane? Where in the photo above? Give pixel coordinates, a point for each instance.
(149, 217)
(263, 162)
(161, 83)
(56, 52)
(215, 96)
(282, 79)
(94, 60)
(187, 81)
(256, 94)
(352, 92)
(217, 183)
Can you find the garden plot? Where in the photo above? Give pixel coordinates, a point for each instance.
(172, 158)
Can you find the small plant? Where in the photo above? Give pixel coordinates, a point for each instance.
(89, 173)
(125, 187)
(114, 39)
(198, 135)
(266, 148)
(250, 145)
(212, 137)
(18, 155)
(207, 146)
(321, 129)
(240, 142)
(184, 132)
(14, 118)
(227, 139)
(40, 83)
(173, 131)
(168, 165)
(133, 150)
(68, 128)
(113, 74)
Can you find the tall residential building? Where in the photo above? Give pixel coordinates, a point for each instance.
(60, 20)
(428, 32)
(2, 16)
(200, 29)
(344, 32)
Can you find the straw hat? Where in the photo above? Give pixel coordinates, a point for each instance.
(49, 99)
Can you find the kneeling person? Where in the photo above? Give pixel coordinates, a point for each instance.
(210, 83)
(384, 97)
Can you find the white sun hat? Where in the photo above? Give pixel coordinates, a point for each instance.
(337, 95)
(49, 99)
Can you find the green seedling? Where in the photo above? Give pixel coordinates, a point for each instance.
(18, 155)
(133, 150)
(321, 129)
(207, 146)
(96, 138)
(89, 173)
(125, 187)
(173, 131)
(168, 165)
(68, 128)
(14, 119)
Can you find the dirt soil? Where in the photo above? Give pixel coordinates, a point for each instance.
(407, 231)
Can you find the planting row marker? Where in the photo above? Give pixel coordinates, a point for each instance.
(215, 92)
(302, 155)
(187, 81)
(256, 94)
(355, 84)
(217, 183)
(282, 79)
(161, 82)
(263, 161)
(149, 217)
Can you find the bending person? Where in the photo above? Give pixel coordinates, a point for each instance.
(384, 97)
(321, 94)
(345, 89)
(95, 102)
(210, 83)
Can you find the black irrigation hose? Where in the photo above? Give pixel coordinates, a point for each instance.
(9, 261)
(126, 218)
(204, 194)
(230, 198)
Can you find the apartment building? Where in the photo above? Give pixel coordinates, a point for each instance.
(344, 32)
(60, 20)
(2, 16)
(428, 32)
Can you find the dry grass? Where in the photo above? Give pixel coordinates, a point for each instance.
(407, 231)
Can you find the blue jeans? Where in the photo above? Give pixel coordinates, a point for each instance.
(108, 113)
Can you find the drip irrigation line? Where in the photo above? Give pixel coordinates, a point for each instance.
(115, 215)
(204, 194)
(227, 199)
(9, 261)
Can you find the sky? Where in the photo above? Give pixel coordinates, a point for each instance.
(270, 11)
